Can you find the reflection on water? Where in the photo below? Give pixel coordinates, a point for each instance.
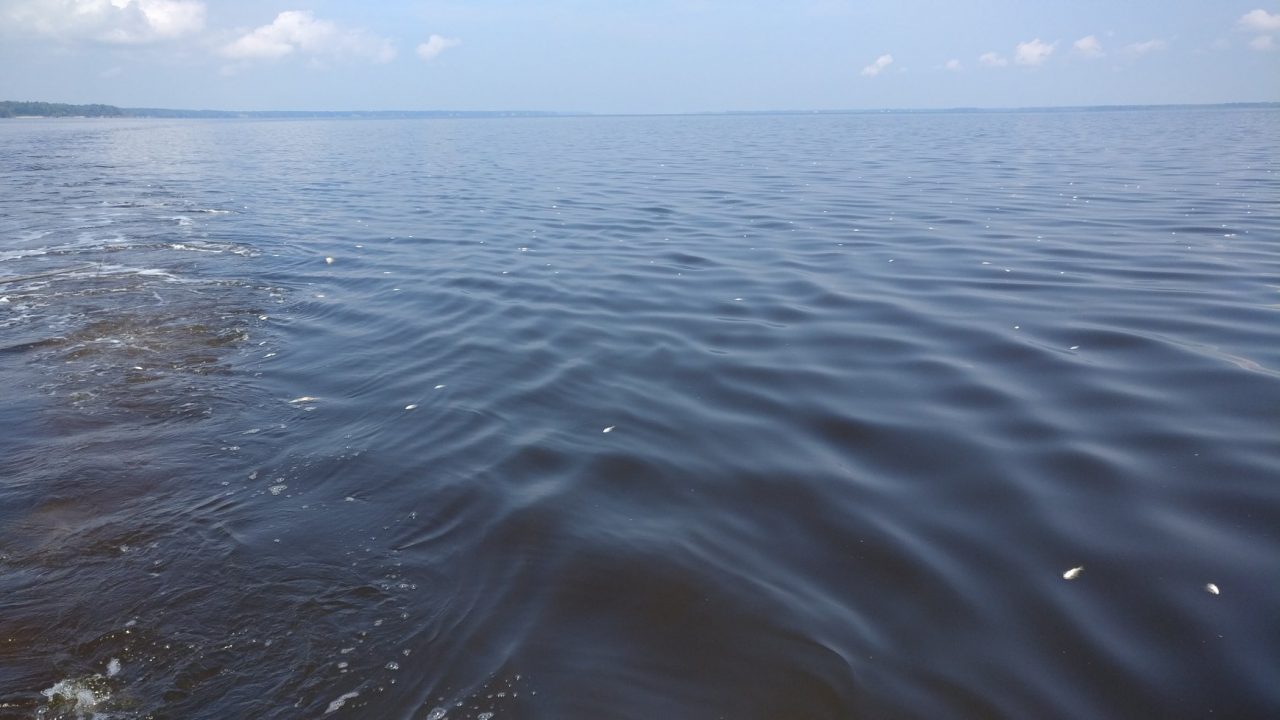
(754, 417)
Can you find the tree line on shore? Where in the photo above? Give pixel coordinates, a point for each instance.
(15, 108)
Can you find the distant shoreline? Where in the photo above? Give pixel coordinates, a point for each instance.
(16, 110)
(13, 109)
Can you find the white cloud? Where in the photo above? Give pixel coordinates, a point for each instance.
(435, 45)
(1260, 21)
(1262, 43)
(992, 60)
(1033, 52)
(953, 65)
(122, 22)
(1143, 48)
(1089, 46)
(298, 31)
(878, 66)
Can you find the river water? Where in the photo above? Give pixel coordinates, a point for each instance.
(657, 417)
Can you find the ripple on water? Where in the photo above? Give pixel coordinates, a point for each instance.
(710, 416)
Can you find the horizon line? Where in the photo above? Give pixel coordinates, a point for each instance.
(585, 113)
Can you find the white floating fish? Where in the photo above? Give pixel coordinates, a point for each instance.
(1073, 573)
(336, 705)
(1212, 589)
(328, 261)
(411, 406)
(609, 429)
(439, 386)
(1075, 347)
(303, 399)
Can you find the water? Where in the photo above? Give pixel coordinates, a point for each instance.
(689, 417)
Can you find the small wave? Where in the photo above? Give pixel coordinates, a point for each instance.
(7, 255)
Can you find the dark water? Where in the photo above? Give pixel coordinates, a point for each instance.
(874, 384)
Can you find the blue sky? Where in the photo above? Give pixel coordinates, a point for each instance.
(650, 56)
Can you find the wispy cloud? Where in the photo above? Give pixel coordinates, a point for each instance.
(992, 59)
(953, 65)
(1262, 43)
(1033, 52)
(1089, 46)
(1149, 46)
(120, 22)
(435, 45)
(878, 66)
(298, 31)
(1260, 21)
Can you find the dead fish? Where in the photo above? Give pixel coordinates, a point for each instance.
(1212, 589)
(303, 399)
(1073, 573)
(609, 429)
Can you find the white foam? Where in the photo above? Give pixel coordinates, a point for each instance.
(105, 269)
(83, 694)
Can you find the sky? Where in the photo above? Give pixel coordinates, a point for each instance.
(638, 56)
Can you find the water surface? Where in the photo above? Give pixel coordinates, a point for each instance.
(687, 417)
